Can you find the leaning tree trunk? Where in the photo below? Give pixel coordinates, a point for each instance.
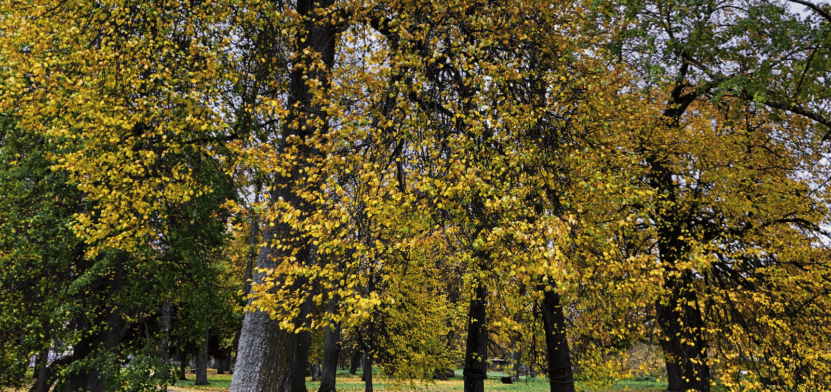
(476, 348)
(202, 361)
(560, 373)
(267, 359)
(331, 349)
(355, 362)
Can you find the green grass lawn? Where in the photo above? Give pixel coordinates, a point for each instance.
(352, 383)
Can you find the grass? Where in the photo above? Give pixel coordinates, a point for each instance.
(352, 383)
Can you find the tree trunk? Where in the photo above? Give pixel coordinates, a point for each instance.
(183, 363)
(355, 361)
(368, 371)
(202, 361)
(476, 348)
(560, 373)
(41, 385)
(515, 357)
(166, 316)
(108, 339)
(223, 364)
(268, 358)
(683, 344)
(303, 345)
(331, 349)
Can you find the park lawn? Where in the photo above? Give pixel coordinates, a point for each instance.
(352, 383)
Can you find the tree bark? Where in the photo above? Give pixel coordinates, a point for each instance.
(560, 373)
(268, 358)
(105, 340)
(476, 347)
(183, 363)
(355, 362)
(331, 349)
(368, 371)
(41, 384)
(683, 344)
(202, 361)
(303, 345)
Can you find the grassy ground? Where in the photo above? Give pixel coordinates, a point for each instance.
(352, 383)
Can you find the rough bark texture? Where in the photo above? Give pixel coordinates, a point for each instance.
(269, 359)
(476, 348)
(202, 362)
(560, 373)
(331, 350)
(685, 350)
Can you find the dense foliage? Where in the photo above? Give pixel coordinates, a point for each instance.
(427, 183)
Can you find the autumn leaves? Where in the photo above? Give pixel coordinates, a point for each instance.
(570, 173)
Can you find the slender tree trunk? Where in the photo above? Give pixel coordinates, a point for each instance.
(331, 349)
(202, 361)
(166, 325)
(183, 363)
(355, 362)
(515, 357)
(476, 348)
(560, 373)
(301, 351)
(252, 244)
(368, 370)
(223, 364)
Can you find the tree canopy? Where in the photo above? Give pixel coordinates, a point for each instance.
(427, 183)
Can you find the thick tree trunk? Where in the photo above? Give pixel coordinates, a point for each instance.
(680, 320)
(560, 373)
(476, 348)
(683, 344)
(202, 362)
(268, 358)
(331, 349)
(40, 373)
